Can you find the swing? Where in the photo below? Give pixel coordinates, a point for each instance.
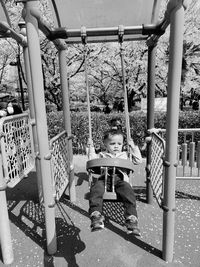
(94, 166)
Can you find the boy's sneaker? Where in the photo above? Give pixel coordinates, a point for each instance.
(97, 221)
(131, 224)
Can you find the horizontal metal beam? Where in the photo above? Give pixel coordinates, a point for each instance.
(187, 177)
(114, 39)
(64, 33)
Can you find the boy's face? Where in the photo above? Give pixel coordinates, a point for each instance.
(114, 143)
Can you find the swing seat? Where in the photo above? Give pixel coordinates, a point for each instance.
(95, 166)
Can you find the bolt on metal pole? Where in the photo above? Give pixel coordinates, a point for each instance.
(67, 120)
(150, 115)
(5, 234)
(41, 122)
(174, 81)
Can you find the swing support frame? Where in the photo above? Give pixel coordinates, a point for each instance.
(174, 16)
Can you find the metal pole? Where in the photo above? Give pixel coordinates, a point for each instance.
(67, 120)
(32, 116)
(87, 90)
(44, 154)
(20, 80)
(5, 234)
(128, 133)
(174, 81)
(150, 116)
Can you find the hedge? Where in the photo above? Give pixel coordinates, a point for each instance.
(100, 123)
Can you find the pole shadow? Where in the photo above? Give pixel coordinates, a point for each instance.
(29, 216)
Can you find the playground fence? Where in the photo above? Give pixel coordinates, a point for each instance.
(156, 167)
(59, 163)
(188, 153)
(16, 148)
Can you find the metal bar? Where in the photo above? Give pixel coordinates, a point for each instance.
(32, 116)
(191, 156)
(128, 132)
(113, 39)
(113, 179)
(41, 122)
(67, 120)
(87, 91)
(5, 234)
(184, 157)
(65, 33)
(174, 78)
(106, 178)
(186, 130)
(18, 37)
(46, 29)
(198, 157)
(178, 157)
(150, 115)
(187, 178)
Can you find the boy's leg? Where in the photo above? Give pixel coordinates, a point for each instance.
(95, 205)
(96, 196)
(127, 195)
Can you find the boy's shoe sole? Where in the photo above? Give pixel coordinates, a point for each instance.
(135, 232)
(97, 228)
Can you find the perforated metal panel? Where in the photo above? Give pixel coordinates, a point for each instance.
(60, 164)
(156, 169)
(114, 211)
(16, 148)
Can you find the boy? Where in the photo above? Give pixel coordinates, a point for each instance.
(113, 140)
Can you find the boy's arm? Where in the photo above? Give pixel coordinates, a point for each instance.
(135, 152)
(90, 150)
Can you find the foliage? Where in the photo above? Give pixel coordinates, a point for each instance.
(100, 123)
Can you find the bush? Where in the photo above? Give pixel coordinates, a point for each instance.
(100, 123)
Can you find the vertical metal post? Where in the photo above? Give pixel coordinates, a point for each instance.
(174, 80)
(128, 133)
(32, 116)
(150, 115)
(5, 234)
(41, 121)
(87, 90)
(67, 119)
(20, 80)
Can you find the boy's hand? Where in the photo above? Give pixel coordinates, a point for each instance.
(90, 143)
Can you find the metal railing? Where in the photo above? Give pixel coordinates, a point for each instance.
(188, 153)
(17, 148)
(59, 163)
(157, 167)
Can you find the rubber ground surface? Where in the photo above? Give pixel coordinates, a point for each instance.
(110, 247)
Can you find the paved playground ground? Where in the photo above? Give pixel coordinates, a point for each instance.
(111, 247)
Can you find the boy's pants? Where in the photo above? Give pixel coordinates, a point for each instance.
(123, 190)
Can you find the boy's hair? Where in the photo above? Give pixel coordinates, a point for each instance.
(112, 132)
(116, 123)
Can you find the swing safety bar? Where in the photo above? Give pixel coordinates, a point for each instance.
(96, 164)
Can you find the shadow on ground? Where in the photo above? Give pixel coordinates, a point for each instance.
(28, 215)
(116, 230)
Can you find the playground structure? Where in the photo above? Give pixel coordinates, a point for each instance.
(54, 161)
